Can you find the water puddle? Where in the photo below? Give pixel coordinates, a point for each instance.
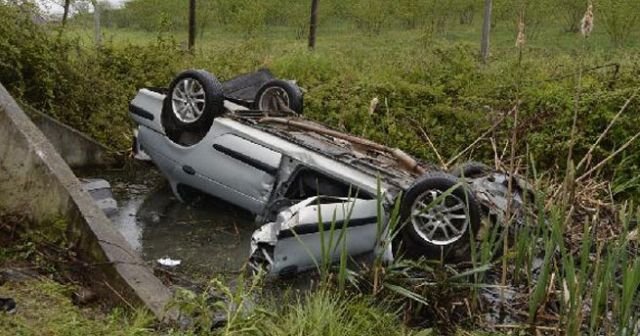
(209, 237)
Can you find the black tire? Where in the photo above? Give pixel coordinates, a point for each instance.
(291, 93)
(211, 106)
(470, 169)
(415, 243)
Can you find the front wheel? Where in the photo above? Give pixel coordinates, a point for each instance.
(438, 216)
(195, 97)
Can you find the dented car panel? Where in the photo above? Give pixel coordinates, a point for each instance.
(492, 191)
(315, 230)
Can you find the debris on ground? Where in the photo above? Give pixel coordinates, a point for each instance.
(7, 305)
(169, 262)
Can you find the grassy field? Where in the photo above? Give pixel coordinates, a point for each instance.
(435, 82)
(550, 36)
(44, 307)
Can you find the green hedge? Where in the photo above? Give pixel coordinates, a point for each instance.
(439, 87)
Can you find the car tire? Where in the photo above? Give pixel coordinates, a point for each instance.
(441, 229)
(470, 169)
(194, 99)
(289, 92)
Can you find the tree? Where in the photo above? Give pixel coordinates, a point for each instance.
(96, 22)
(620, 18)
(313, 23)
(82, 7)
(486, 30)
(192, 24)
(65, 13)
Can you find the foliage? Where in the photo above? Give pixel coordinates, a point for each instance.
(620, 18)
(535, 14)
(45, 308)
(326, 312)
(432, 16)
(571, 12)
(371, 16)
(440, 86)
(319, 312)
(250, 16)
(80, 87)
(436, 87)
(135, 14)
(597, 282)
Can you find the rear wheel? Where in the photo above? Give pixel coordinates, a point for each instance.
(470, 169)
(438, 215)
(278, 96)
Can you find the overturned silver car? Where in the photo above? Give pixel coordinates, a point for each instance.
(245, 141)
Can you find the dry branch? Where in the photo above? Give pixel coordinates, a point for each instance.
(608, 158)
(615, 118)
(491, 129)
(405, 160)
(433, 147)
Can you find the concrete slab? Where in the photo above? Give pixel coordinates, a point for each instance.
(76, 148)
(35, 180)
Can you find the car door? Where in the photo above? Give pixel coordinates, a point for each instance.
(236, 169)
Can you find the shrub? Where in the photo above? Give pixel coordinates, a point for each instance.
(619, 17)
(438, 88)
(371, 16)
(87, 89)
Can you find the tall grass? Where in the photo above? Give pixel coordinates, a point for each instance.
(563, 275)
(44, 307)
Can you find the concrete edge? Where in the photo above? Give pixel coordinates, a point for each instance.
(76, 148)
(35, 180)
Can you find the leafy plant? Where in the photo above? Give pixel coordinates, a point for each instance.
(620, 18)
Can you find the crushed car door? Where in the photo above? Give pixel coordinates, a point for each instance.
(317, 229)
(243, 165)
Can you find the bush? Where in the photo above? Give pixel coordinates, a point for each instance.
(371, 16)
(86, 89)
(438, 88)
(620, 18)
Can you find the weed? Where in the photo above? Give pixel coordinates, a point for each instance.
(44, 308)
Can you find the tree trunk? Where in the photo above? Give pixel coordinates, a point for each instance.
(486, 31)
(96, 22)
(313, 24)
(192, 25)
(65, 14)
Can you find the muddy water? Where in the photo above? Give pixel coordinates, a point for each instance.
(209, 237)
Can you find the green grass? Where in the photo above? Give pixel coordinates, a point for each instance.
(328, 313)
(44, 308)
(435, 84)
(549, 38)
